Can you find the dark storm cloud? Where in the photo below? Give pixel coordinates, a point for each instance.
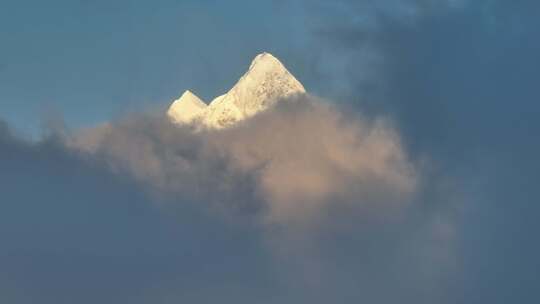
(461, 85)
(87, 233)
(78, 228)
(71, 231)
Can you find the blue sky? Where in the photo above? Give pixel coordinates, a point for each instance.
(91, 60)
(455, 80)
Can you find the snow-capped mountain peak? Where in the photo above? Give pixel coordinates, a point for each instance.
(186, 108)
(266, 82)
(265, 61)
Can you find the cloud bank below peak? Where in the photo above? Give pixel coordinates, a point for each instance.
(289, 162)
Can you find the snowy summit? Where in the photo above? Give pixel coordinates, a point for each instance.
(266, 82)
(186, 108)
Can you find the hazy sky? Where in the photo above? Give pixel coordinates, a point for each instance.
(436, 202)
